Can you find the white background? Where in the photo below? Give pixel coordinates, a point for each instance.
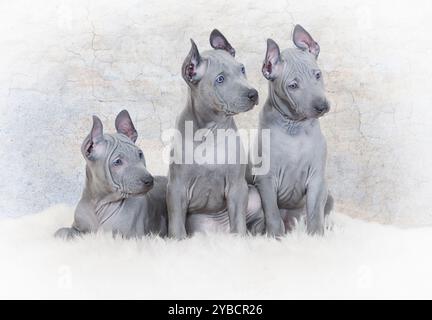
(62, 61)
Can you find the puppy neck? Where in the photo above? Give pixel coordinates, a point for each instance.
(205, 116)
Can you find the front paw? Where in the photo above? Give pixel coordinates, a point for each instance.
(177, 234)
(239, 229)
(275, 229)
(314, 228)
(67, 233)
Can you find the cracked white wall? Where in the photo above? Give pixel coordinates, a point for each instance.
(62, 61)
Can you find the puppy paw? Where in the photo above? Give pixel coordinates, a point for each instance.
(275, 231)
(66, 233)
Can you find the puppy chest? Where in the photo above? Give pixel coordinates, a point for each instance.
(207, 193)
(291, 185)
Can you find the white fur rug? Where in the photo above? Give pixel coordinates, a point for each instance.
(355, 260)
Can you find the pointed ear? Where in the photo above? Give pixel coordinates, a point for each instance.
(95, 135)
(218, 41)
(272, 63)
(124, 125)
(193, 67)
(303, 40)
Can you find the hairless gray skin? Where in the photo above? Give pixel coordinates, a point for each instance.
(296, 183)
(120, 195)
(213, 197)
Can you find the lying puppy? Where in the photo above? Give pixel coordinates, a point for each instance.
(296, 183)
(120, 195)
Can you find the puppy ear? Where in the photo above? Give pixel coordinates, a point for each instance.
(218, 41)
(303, 40)
(124, 125)
(95, 136)
(193, 67)
(272, 63)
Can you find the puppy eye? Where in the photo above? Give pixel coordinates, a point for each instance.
(243, 70)
(293, 85)
(318, 75)
(220, 78)
(117, 162)
(140, 154)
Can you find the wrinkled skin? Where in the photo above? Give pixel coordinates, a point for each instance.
(296, 184)
(120, 195)
(213, 197)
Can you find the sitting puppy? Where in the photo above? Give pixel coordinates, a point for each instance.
(207, 196)
(120, 195)
(296, 183)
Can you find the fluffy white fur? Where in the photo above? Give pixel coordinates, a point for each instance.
(355, 260)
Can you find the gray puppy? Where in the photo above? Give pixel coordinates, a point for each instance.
(296, 183)
(120, 195)
(212, 196)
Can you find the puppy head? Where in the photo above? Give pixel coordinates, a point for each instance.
(217, 78)
(115, 164)
(295, 77)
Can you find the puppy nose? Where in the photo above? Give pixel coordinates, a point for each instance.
(322, 107)
(148, 181)
(253, 95)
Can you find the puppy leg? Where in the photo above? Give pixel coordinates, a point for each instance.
(255, 221)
